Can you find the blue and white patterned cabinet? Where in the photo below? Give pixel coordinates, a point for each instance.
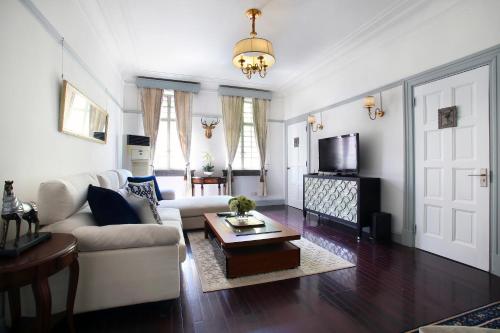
(347, 200)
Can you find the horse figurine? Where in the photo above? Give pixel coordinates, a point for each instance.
(13, 209)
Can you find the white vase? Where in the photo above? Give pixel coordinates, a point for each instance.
(208, 173)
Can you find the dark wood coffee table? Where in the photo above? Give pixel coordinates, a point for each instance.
(253, 254)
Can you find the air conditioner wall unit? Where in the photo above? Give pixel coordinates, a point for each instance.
(139, 154)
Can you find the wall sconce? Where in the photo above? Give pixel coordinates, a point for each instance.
(311, 121)
(369, 103)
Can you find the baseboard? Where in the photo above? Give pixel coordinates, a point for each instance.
(269, 202)
(397, 238)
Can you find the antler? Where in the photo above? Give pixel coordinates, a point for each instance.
(204, 123)
(214, 123)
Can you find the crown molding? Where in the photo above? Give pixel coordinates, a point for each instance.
(359, 43)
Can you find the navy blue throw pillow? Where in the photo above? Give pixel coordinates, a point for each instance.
(109, 207)
(147, 179)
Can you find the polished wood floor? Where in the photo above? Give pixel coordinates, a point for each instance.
(391, 289)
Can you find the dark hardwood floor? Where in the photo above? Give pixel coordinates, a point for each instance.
(391, 289)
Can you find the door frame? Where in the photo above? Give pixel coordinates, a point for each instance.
(299, 119)
(489, 57)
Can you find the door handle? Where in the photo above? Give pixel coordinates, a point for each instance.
(288, 168)
(483, 180)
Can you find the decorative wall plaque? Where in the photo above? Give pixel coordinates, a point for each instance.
(447, 117)
(295, 142)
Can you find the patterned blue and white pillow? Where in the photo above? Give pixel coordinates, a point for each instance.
(147, 211)
(145, 189)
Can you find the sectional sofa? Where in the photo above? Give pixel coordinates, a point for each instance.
(119, 264)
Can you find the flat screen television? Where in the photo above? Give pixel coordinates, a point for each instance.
(339, 154)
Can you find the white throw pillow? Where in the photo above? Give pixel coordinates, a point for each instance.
(145, 209)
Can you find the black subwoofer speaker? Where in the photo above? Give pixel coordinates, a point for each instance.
(381, 226)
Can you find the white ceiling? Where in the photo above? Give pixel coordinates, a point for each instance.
(193, 40)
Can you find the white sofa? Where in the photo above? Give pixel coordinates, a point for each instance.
(119, 264)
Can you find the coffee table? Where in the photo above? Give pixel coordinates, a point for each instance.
(241, 255)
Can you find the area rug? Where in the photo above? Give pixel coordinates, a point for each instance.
(487, 316)
(313, 260)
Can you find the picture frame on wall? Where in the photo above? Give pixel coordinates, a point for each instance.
(447, 117)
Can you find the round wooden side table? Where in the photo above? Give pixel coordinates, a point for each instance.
(34, 267)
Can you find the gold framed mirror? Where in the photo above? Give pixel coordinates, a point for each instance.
(81, 117)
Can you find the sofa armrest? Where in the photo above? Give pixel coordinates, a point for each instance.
(125, 236)
(167, 194)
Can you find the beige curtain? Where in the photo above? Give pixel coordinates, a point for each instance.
(260, 110)
(151, 108)
(183, 112)
(232, 116)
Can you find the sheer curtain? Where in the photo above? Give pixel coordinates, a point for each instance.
(151, 107)
(232, 116)
(260, 110)
(183, 112)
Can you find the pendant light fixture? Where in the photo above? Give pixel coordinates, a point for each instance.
(253, 55)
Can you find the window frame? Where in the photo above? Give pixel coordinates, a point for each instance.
(168, 120)
(246, 171)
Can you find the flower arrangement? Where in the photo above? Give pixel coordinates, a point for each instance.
(241, 205)
(208, 163)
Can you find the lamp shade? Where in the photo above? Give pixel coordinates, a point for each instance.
(369, 102)
(250, 49)
(311, 119)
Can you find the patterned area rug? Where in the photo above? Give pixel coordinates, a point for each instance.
(487, 316)
(313, 260)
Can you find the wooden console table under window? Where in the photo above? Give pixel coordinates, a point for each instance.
(206, 180)
(34, 267)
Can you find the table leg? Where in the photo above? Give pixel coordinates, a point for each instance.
(225, 192)
(15, 308)
(41, 290)
(202, 190)
(74, 270)
(192, 190)
(206, 229)
(218, 185)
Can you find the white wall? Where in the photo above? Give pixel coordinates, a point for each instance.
(437, 33)
(206, 103)
(31, 147)
(381, 146)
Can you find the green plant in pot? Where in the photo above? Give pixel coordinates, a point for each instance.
(208, 164)
(241, 205)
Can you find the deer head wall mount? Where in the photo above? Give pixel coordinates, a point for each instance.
(209, 127)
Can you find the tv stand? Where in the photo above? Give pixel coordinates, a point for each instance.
(349, 200)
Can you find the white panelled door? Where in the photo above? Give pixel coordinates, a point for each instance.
(297, 162)
(451, 199)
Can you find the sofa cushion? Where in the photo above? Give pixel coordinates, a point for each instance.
(182, 244)
(109, 207)
(123, 174)
(59, 199)
(109, 179)
(197, 206)
(147, 179)
(170, 214)
(82, 218)
(113, 237)
(167, 194)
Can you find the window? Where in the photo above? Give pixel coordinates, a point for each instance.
(247, 155)
(168, 153)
